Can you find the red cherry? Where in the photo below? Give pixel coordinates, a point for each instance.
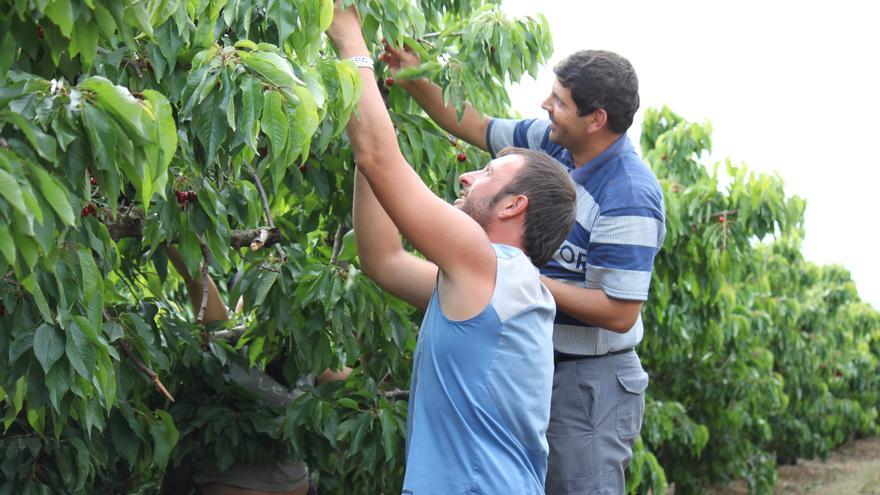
(461, 157)
(303, 168)
(93, 181)
(191, 196)
(86, 211)
(389, 81)
(264, 151)
(722, 219)
(93, 209)
(40, 33)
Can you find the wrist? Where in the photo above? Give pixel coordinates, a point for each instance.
(351, 48)
(412, 86)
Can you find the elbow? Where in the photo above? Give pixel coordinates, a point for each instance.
(623, 324)
(368, 269)
(368, 265)
(366, 162)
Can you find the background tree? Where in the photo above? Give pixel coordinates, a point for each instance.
(757, 356)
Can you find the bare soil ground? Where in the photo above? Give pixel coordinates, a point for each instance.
(853, 469)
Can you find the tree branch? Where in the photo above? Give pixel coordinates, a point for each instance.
(126, 349)
(131, 224)
(206, 260)
(241, 238)
(266, 208)
(395, 394)
(337, 243)
(231, 336)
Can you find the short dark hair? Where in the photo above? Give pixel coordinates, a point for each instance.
(601, 79)
(551, 210)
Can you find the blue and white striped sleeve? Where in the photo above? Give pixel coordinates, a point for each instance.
(623, 244)
(528, 133)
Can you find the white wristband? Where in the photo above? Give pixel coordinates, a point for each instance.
(362, 62)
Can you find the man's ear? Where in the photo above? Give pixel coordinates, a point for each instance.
(513, 205)
(598, 120)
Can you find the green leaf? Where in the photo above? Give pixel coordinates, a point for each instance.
(273, 68)
(48, 346)
(55, 193)
(79, 351)
(165, 436)
(325, 17)
(8, 48)
(265, 283)
(349, 247)
(43, 143)
(61, 13)
(246, 44)
(11, 192)
(211, 127)
(91, 277)
(307, 118)
(7, 245)
(347, 403)
(86, 38)
(40, 300)
(58, 383)
(283, 14)
(117, 102)
(251, 109)
(274, 122)
(166, 136)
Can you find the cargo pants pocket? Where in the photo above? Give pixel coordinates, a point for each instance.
(631, 403)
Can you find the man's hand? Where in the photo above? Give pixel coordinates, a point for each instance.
(397, 59)
(472, 127)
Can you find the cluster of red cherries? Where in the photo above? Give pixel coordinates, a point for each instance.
(184, 197)
(89, 209)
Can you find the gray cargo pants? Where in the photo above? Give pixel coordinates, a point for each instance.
(595, 416)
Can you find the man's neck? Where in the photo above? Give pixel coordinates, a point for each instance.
(592, 147)
(507, 236)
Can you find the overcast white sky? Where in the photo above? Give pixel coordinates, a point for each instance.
(791, 87)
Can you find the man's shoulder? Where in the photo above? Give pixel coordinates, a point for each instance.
(518, 284)
(522, 133)
(627, 181)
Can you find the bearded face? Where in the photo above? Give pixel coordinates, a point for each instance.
(478, 208)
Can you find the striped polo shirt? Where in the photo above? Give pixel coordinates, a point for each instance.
(619, 229)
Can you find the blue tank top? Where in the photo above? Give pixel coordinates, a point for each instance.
(480, 393)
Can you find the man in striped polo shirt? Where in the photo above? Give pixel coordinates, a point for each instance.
(601, 274)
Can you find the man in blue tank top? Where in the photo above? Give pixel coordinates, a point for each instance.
(477, 422)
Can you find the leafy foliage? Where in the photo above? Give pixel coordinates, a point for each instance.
(127, 125)
(756, 355)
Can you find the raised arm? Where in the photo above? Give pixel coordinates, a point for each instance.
(445, 235)
(472, 126)
(381, 253)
